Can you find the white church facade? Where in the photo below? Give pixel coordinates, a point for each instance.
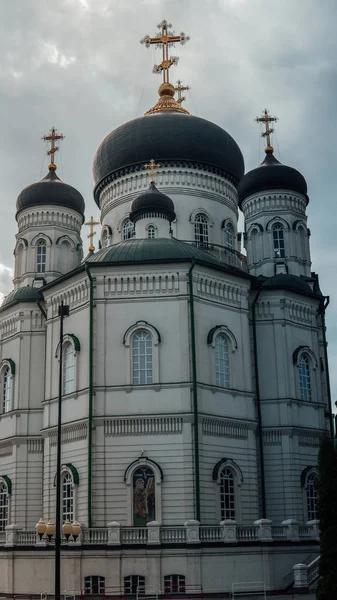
(195, 378)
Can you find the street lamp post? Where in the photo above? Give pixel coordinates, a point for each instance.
(63, 312)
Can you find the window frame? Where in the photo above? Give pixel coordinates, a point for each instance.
(134, 585)
(69, 470)
(7, 369)
(68, 367)
(128, 343)
(100, 585)
(232, 346)
(128, 479)
(127, 222)
(228, 231)
(201, 238)
(304, 374)
(66, 497)
(70, 338)
(4, 493)
(313, 373)
(142, 351)
(171, 588)
(278, 240)
(309, 473)
(41, 243)
(223, 464)
(153, 229)
(219, 372)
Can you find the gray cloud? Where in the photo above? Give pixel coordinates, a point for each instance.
(78, 65)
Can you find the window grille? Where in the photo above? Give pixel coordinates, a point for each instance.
(278, 240)
(304, 375)
(41, 256)
(174, 584)
(67, 498)
(201, 230)
(128, 230)
(222, 361)
(132, 583)
(227, 494)
(312, 497)
(94, 584)
(151, 232)
(142, 357)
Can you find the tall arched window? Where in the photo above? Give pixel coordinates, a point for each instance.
(142, 357)
(144, 500)
(229, 235)
(227, 494)
(128, 230)
(221, 360)
(6, 389)
(201, 230)
(134, 584)
(68, 368)
(41, 256)
(304, 376)
(151, 232)
(311, 496)
(278, 240)
(67, 497)
(4, 505)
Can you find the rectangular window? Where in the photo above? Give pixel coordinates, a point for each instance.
(134, 584)
(94, 584)
(174, 584)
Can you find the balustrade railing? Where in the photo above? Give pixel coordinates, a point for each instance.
(210, 533)
(172, 535)
(279, 532)
(95, 535)
(247, 533)
(26, 538)
(313, 570)
(305, 531)
(133, 535)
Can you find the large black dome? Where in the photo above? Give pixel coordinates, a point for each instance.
(167, 136)
(152, 201)
(271, 175)
(50, 190)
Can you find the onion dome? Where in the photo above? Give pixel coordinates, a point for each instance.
(26, 293)
(152, 203)
(172, 136)
(50, 191)
(292, 283)
(271, 175)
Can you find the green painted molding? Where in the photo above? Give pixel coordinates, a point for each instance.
(11, 364)
(76, 341)
(8, 483)
(74, 473)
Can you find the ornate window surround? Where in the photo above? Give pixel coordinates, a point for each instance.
(227, 463)
(156, 339)
(306, 473)
(34, 244)
(144, 461)
(71, 338)
(313, 365)
(232, 347)
(7, 363)
(71, 470)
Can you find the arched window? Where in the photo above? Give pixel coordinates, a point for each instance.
(151, 232)
(94, 584)
(144, 499)
(304, 377)
(6, 389)
(311, 496)
(229, 235)
(4, 506)
(201, 230)
(142, 357)
(67, 497)
(134, 584)
(105, 239)
(68, 368)
(174, 584)
(41, 256)
(221, 360)
(128, 230)
(227, 494)
(278, 240)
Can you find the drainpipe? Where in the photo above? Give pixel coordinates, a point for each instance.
(324, 305)
(91, 335)
(195, 395)
(258, 404)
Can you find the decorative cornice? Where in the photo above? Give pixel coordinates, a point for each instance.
(274, 201)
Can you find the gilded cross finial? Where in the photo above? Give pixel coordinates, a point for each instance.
(267, 119)
(153, 166)
(52, 138)
(164, 39)
(181, 88)
(91, 223)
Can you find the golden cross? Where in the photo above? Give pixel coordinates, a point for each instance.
(152, 165)
(181, 88)
(165, 39)
(267, 119)
(52, 138)
(91, 224)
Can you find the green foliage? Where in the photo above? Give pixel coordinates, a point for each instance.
(327, 512)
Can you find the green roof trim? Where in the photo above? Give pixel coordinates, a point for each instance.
(8, 483)
(11, 364)
(23, 294)
(76, 341)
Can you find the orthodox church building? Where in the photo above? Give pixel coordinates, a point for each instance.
(195, 382)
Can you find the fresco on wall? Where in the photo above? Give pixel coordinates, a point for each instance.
(144, 504)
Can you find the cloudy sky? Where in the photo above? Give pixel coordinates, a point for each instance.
(78, 65)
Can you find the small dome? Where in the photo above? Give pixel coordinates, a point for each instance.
(292, 283)
(50, 191)
(167, 136)
(152, 201)
(271, 175)
(26, 293)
